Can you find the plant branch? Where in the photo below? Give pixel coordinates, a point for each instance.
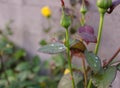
(85, 74)
(69, 57)
(113, 57)
(98, 39)
(99, 33)
(89, 84)
(62, 3)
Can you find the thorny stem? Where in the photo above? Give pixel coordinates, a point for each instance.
(69, 57)
(99, 33)
(113, 57)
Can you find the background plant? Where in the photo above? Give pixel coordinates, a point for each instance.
(19, 71)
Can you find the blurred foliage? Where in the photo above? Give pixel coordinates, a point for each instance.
(18, 71)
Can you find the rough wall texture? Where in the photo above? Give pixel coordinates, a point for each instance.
(28, 25)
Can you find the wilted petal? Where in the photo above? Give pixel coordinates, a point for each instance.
(88, 38)
(87, 29)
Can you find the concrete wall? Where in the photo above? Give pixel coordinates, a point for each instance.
(28, 25)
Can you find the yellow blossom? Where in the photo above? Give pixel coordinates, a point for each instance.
(66, 71)
(45, 11)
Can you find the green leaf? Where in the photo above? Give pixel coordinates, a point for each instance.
(66, 82)
(8, 49)
(19, 53)
(36, 60)
(2, 86)
(23, 66)
(22, 76)
(41, 79)
(93, 61)
(53, 48)
(14, 84)
(5, 45)
(104, 80)
(43, 42)
(59, 61)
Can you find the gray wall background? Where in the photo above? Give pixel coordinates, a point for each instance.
(28, 25)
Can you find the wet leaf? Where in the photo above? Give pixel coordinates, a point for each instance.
(93, 61)
(53, 48)
(66, 81)
(104, 80)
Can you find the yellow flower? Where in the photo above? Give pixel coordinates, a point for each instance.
(66, 71)
(45, 11)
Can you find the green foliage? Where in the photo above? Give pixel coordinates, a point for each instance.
(93, 61)
(19, 53)
(53, 48)
(43, 42)
(20, 73)
(105, 79)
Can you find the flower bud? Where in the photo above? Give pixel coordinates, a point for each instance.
(104, 4)
(65, 21)
(83, 9)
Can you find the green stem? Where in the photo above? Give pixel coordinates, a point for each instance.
(84, 71)
(98, 39)
(69, 57)
(89, 84)
(99, 33)
(83, 20)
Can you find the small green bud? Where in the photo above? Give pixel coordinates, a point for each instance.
(65, 21)
(83, 9)
(104, 4)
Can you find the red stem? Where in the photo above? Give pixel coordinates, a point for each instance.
(112, 58)
(62, 2)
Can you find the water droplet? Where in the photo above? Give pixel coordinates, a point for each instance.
(60, 47)
(96, 58)
(52, 44)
